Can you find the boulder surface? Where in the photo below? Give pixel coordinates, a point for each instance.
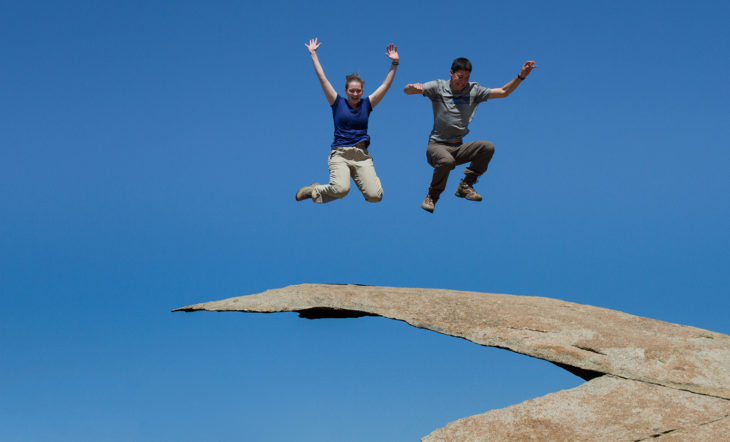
(646, 378)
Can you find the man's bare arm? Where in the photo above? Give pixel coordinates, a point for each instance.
(508, 88)
(413, 89)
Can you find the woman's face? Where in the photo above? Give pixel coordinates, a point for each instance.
(353, 91)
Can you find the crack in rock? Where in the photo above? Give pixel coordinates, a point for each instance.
(682, 430)
(658, 435)
(530, 329)
(580, 347)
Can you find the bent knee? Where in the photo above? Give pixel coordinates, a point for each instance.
(373, 194)
(487, 146)
(374, 198)
(340, 191)
(449, 164)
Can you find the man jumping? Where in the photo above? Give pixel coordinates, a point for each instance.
(454, 104)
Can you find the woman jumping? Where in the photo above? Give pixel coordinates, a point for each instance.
(349, 156)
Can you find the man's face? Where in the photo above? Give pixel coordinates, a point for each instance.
(459, 79)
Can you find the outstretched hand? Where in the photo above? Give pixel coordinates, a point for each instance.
(313, 45)
(412, 89)
(527, 68)
(392, 52)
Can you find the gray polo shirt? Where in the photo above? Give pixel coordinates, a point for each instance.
(452, 110)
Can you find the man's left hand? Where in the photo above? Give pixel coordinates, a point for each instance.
(527, 68)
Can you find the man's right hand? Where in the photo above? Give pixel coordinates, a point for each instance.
(413, 89)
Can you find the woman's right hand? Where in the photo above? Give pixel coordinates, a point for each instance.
(313, 45)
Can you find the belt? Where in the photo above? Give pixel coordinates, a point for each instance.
(448, 143)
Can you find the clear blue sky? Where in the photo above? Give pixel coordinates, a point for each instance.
(149, 155)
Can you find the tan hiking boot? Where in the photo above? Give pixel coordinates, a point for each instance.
(305, 192)
(465, 190)
(428, 204)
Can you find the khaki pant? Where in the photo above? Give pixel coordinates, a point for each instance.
(346, 162)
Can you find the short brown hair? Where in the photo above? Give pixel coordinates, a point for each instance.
(354, 77)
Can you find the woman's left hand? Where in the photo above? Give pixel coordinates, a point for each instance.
(392, 52)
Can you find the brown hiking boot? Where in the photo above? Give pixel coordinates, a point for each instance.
(428, 204)
(465, 190)
(305, 192)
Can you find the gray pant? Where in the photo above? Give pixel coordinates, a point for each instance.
(346, 162)
(444, 157)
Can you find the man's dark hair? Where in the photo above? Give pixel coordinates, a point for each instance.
(461, 64)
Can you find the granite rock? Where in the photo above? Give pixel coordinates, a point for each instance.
(646, 378)
(605, 408)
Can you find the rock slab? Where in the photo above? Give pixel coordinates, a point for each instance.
(606, 408)
(676, 370)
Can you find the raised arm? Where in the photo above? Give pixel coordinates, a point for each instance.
(413, 89)
(507, 89)
(329, 91)
(391, 52)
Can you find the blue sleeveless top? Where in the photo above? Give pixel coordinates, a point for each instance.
(351, 125)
